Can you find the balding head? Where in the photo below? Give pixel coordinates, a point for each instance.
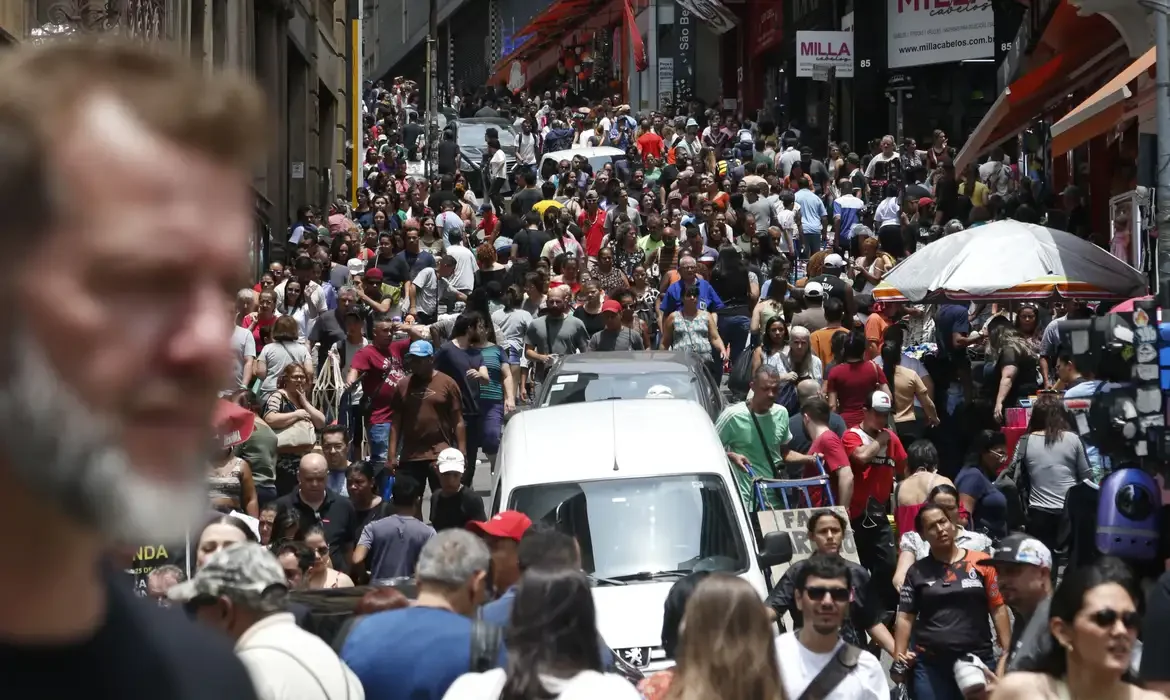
(311, 477)
(807, 389)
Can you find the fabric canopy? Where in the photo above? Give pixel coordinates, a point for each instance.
(1010, 260)
(1104, 110)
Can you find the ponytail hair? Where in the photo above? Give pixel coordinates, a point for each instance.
(891, 354)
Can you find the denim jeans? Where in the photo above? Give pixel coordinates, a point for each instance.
(379, 434)
(492, 413)
(933, 678)
(734, 330)
(473, 428)
(812, 244)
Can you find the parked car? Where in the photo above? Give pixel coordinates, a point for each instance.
(605, 376)
(597, 156)
(471, 135)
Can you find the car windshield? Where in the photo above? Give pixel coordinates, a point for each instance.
(644, 528)
(584, 387)
(476, 134)
(621, 165)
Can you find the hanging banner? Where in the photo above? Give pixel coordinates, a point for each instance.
(684, 55)
(711, 13)
(826, 49)
(925, 32)
(665, 79)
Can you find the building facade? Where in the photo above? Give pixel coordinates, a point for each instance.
(293, 48)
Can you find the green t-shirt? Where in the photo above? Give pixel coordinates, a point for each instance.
(738, 433)
(260, 453)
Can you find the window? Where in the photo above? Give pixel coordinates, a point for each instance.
(643, 528)
(584, 387)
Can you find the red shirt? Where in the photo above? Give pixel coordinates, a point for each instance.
(875, 479)
(853, 382)
(594, 231)
(829, 445)
(381, 372)
(255, 327)
(650, 144)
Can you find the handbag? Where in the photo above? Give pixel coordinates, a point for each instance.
(740, 379)
(299, 434)
(1012, 482)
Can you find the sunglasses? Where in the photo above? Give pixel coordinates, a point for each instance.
(839, 595)
(1106, 618)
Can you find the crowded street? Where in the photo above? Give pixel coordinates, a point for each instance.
(587, 371)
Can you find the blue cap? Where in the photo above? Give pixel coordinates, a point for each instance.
(421, 348)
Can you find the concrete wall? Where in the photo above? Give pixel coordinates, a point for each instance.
(401, 27)
(12, 21)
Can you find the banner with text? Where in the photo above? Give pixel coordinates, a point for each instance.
(824, 49)
(795, 523)
(684, 55)
(925, 32)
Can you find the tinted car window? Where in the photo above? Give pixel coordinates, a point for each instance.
(583, 387)
(474, 133)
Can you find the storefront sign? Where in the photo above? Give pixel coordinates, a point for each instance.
(684, 55)
(767, 29)
(925, 32)
(712, 13)
(665, 79)
(828, 49)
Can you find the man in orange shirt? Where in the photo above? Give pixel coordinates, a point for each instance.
(875, 327)
(821, 340)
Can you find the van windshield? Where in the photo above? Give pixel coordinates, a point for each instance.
(642, 529)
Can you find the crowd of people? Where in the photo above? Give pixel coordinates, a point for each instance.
(369, 366)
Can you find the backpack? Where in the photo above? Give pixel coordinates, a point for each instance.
(1128, 511)
(1012, 482)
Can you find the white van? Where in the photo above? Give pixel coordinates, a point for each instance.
(645, 487)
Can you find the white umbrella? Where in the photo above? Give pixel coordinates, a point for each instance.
(1010, 260)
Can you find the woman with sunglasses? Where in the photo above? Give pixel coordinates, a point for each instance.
(1093, 622)
(944, 605)
(321, 573)
(978, 493)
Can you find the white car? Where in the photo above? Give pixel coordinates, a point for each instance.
(597, 156)
(647, 492)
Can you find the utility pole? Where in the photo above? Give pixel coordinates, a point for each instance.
(1160, 11)
(432, 93)
(353, 59)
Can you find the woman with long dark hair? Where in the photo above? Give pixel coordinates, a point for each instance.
(907, 387)
(852, 381)
(552, 646)
(732, 282)
(978, 493)
(1093, 622)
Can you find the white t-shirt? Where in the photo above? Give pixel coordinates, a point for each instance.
(426, 291)
(799, 666)
(587, 685)
(287, 663)
(465, 267)
(499, 165)
(965, 539)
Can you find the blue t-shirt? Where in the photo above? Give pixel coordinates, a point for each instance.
(708, 299)
(499, 611)
(811, 210)
(990, 516)
(951, 319)
(410, 654)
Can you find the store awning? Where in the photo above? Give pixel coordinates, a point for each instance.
(1029, 96)
(545, 28)
(1104, 110)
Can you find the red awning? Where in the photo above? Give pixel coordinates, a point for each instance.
(1095, 51)
(545, 28)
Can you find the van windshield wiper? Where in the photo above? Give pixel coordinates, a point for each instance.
(653, 575)
(599, 581)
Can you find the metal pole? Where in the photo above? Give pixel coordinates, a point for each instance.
(898, 115)
(1161, 16)
(432, 71)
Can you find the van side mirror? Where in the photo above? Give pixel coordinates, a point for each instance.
(777, 550)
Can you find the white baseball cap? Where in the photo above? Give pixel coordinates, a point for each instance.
(450, 460)
(879, 401)
(356, 266)
(814, 290)
(833, 260)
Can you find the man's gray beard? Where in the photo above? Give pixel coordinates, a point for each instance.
(69, 456)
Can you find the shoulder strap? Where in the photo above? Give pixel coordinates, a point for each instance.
(324, 690)
(485, 646)
(763, 440)
(841, 665)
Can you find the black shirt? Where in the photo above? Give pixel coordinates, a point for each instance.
(336, 516)
(530, 242)
(405, 266)
(951, 603)
(435, 201)
(328, 332)
(865, 610)
(140, 651)
(594, 323)
(455, 511)
(365, 517)
(448, 158)
(523, 200)
(1156, 633)
(410, 134)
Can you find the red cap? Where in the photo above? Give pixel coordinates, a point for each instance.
(374, 274)
(508, 524)
(233, 424)
(611, 306)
